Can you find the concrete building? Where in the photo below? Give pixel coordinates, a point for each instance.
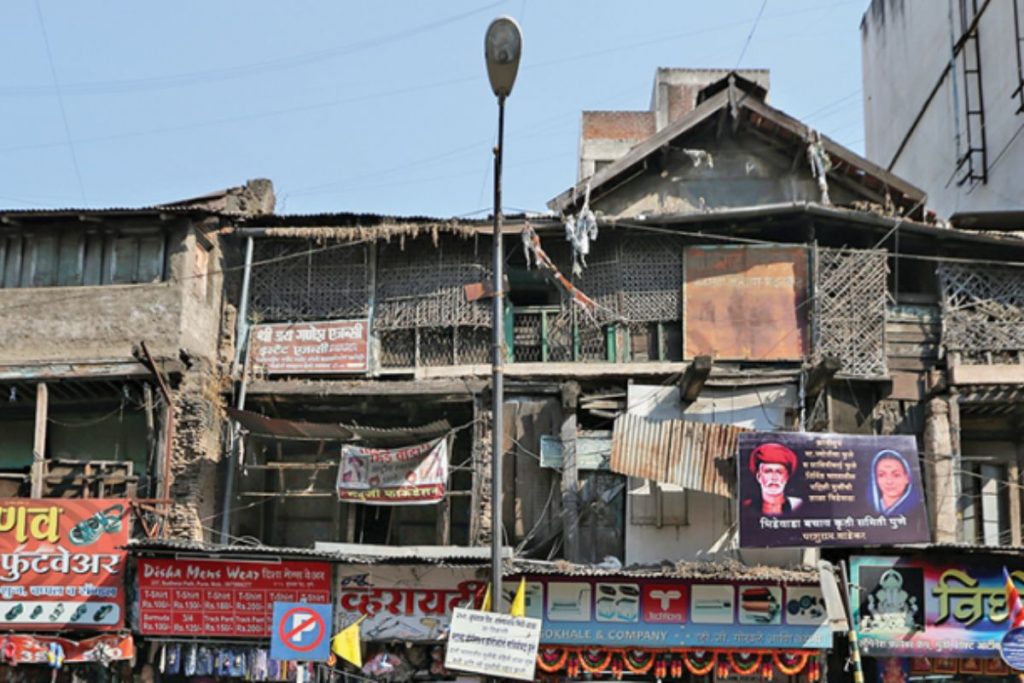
(110, 353)
(944, 105)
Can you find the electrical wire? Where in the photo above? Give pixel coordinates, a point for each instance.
(60, 102)
(750, 36)
(242, 70)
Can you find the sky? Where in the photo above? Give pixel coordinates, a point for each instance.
(370, 107)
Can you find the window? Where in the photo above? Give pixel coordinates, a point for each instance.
(69, 258)
(985, 493)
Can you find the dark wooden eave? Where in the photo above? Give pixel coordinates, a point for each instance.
(767, 120)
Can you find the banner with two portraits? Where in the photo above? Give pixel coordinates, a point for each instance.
(801, 489)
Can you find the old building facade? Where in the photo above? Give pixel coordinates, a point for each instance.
(254, 385)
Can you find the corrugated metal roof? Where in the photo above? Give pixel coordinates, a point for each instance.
(695, 455)
(181, 546)
(107, 211)
(728, 570)
(369, 220)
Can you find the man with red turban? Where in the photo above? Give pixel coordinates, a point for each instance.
(772, 465)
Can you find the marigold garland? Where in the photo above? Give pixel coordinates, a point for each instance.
(790, 663)
(592, 662)
(638, 661)
(699, 662)
(552, 659)
(738, 666)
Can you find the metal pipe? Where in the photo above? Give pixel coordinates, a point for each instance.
(497, 370)
(858, 669)
(241, 339)
(242, 323)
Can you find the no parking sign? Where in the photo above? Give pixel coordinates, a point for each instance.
(301, 631)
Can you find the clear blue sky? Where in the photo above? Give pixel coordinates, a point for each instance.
(378, 107)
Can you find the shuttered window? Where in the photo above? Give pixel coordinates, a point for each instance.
(68, 258)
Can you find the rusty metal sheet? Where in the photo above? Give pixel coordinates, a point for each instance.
(745, 303)
(694, 455)
(289, 429)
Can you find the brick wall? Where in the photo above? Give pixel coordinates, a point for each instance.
(617, 125)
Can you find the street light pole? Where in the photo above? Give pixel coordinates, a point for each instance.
(502, 48)
(497, 369)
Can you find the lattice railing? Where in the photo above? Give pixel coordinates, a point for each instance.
(303, 280)
(983, 308)
(421, 285)
(849, 310)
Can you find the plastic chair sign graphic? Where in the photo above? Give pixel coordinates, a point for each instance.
(301, 631)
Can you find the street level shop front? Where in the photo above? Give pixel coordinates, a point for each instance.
(62, 589)
(207, 611)
(682, 621)
(937, 615)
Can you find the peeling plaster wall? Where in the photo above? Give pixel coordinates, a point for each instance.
(71, 324)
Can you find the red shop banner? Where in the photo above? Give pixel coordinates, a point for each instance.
(19, 649)
(62, 563)
(222, 598)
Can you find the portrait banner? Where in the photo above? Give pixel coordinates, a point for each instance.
(800, 489)
(933, 607)
(394, 476)
(62, 563)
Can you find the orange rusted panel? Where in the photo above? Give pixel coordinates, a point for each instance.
(745, 303)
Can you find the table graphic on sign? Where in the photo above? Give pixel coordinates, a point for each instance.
(223, 598)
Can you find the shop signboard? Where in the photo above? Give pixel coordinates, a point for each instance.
(415, 604)
(223, 598)
(394, 476)
(27, 649)
(493, 644)
(827, 490)
(662, 612)
(932, 606)
(62, 564)
(332, 346)
(411, 603)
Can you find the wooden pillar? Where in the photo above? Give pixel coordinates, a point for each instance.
(941, 454)
(1013, 491)
(39, 440)
(570, 474)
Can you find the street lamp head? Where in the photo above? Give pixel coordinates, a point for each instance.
(502, 47)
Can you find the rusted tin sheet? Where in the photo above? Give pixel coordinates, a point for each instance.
(745, 303)
(289, 429)
(329, 347)
(695, 455)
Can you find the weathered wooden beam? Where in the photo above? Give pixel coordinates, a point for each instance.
(570, 474)
(694, 378)
(39, 440)
(1000, 373)
(821, 374)
(436, 387)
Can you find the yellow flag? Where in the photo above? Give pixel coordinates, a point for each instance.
(346, 644)
(519, 601)
(485, 606)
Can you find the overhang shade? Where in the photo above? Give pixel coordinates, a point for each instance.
(297, 430)
(694, 455)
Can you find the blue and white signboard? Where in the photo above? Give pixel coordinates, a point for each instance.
(301, 631)
(1012, 649)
